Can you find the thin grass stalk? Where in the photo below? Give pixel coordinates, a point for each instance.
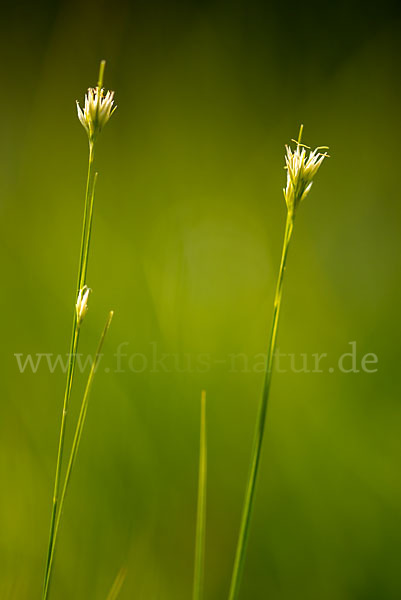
(87, 220)
(260, 423)
(76, 442)
(118, 584)
(89, 232)
(71, 365)
(67, 393)
(71, 369)
(201, 510)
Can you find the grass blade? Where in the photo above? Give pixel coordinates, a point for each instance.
(201, 511)
(118, 584)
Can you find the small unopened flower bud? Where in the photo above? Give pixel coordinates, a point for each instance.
(302, 165)
(81, 306)
(97, 111)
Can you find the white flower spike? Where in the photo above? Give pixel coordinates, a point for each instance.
(301, 169)
(98, 108)
(81, 306)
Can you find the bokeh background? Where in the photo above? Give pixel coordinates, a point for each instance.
(187, 235)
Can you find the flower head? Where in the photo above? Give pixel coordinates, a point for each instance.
(302, 165)
(97, 110)
(81, 306)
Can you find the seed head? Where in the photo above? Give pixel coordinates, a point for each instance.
(302, 165)
(97, 110)
(81, 306)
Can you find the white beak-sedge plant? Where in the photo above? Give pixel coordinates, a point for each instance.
(302, 165)
(97, 111)
(201, 510)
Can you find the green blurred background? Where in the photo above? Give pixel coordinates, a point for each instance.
(187, 234)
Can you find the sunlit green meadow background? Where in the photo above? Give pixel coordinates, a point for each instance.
(187, 232)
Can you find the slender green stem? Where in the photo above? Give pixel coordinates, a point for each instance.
(87, 222)
(89, 232)
(82, 269)
(70, 374)
(76, 441)
(260, 423)
(101, 74)
(201, 513)
(118, 584)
